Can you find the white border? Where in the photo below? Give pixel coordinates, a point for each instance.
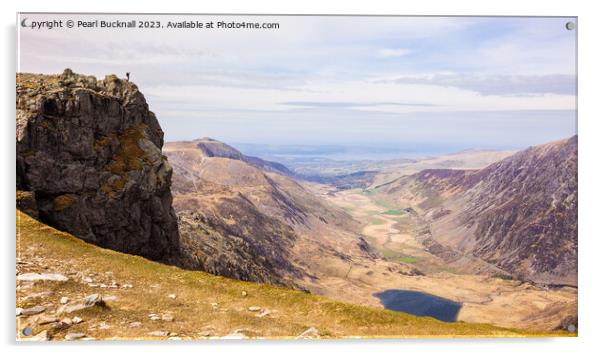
(590, 198)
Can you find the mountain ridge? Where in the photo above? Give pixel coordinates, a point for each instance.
(503, 212)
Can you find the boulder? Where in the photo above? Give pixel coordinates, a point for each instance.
(87, 302)
(89, 151)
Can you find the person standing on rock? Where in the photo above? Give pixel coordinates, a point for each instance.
(127, 75)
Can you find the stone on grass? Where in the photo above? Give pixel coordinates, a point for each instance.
(33, 310)
(89, 301)
(63, 324)
(64, 300)
(158, 333)
(74, 336)
(42, 276)
(237, 334)
(93, 300)
(37, 295)
(41, 337)
(264, 313)
(45, 319)
(254, 308)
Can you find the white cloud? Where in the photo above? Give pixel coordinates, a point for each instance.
(393, 52)
(323, 66)
(494, 84)
(387, 97)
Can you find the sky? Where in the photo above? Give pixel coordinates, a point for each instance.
(453, 82)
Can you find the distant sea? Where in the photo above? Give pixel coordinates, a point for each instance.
(344, 153)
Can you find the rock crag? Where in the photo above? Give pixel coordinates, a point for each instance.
(89, 162)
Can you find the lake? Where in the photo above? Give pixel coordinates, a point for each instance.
(420, 304)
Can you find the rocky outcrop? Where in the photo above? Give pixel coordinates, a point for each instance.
(254, 248)
(89, 155)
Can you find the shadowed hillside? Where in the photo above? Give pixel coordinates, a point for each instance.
(285, 234)
(519, 214)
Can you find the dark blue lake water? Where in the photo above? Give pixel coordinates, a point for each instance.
(420, 304)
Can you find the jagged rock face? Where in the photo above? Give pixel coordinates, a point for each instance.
(254, 248)
(519, 214)
(90, 151)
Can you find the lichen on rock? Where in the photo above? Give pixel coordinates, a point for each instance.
(89, 151)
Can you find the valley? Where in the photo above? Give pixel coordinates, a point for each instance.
(484, 296)
(481, 239)
(352, 244)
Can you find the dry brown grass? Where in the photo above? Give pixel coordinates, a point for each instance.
(292, 311)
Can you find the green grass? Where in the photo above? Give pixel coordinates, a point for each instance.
(408, 259)
(393, 212)
(293, 311)
(391, 255)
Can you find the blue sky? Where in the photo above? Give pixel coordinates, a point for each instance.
(449, 81)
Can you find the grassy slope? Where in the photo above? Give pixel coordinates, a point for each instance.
(293, 311)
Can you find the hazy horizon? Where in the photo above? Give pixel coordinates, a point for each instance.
(450, 82)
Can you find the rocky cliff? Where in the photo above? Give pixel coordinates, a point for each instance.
(89, 161)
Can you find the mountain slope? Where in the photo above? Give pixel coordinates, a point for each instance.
(214, 148)
(229, 236)
(204, 306)
(519, 214)
(301, 237)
